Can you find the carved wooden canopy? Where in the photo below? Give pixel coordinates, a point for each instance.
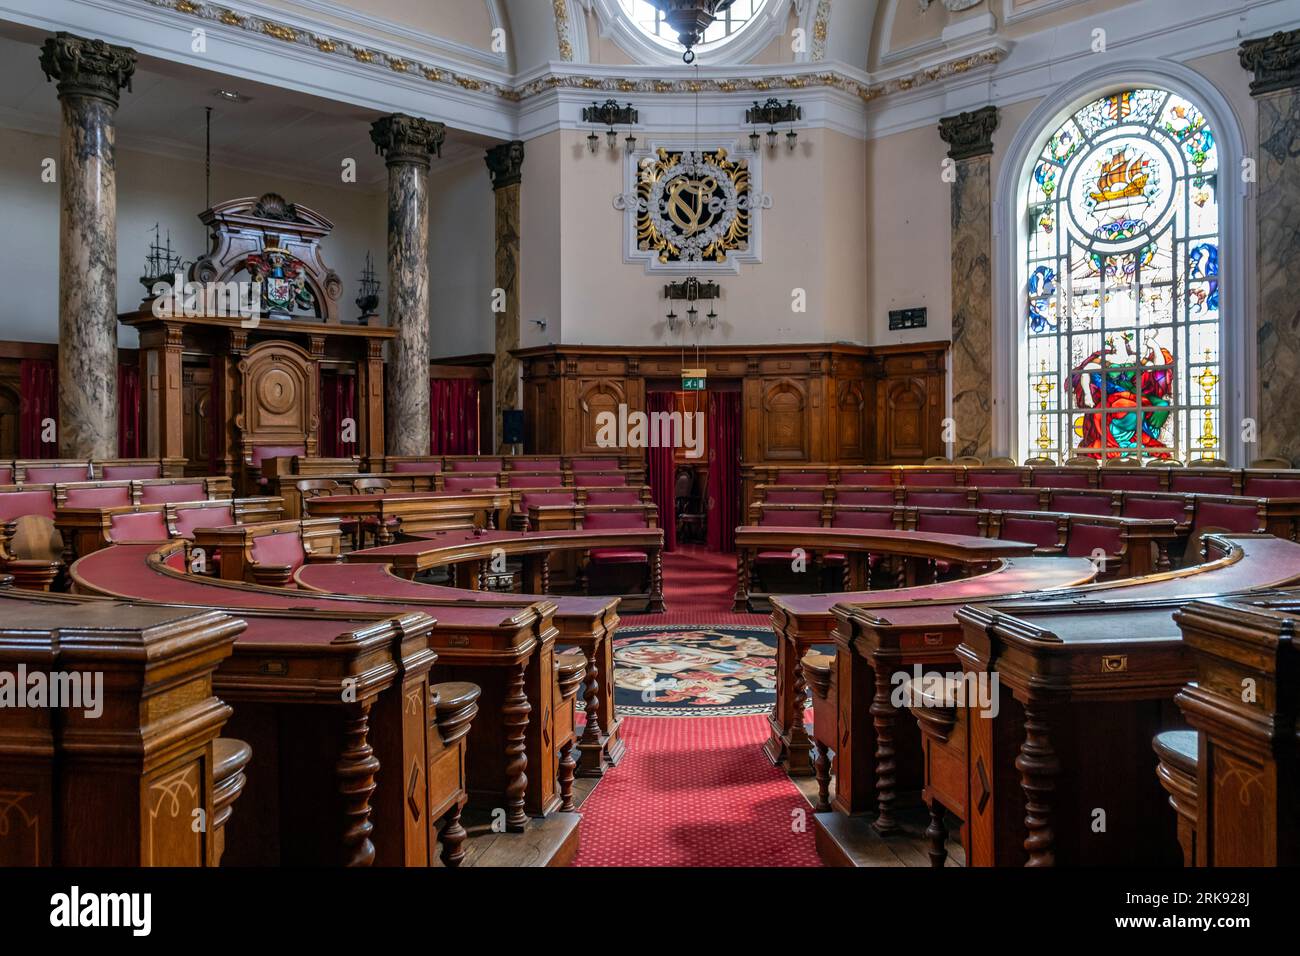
(269, 238)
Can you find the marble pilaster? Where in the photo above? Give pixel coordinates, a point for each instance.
(505, 165)
(1275, 62)
(970, 140)
(406, 143)
(90, 75)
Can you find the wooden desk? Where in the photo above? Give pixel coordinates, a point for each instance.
(908, 545)
(411, 513)
(469, 553)
(121, 787)
(584, 622)
(1243, 704)
(802, 622)
(507, 651)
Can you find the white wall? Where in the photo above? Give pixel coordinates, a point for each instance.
(462, 249)
(813, 239)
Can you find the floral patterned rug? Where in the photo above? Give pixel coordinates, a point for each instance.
(694, 671)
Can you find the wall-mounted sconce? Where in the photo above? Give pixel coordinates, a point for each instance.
(610, 114)
(772, 114)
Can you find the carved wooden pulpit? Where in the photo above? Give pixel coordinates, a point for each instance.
(232, 356)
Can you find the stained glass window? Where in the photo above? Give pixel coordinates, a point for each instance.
(1122, 283)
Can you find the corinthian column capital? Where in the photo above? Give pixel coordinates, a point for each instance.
(1275, 61)
(85, 67)
(406, 139)
(969, 134)
(505, 164)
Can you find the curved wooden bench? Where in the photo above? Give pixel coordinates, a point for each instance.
(229, 758)
(454, 704)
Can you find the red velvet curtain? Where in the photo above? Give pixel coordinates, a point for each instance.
(453, 416)
(39, 401)
(661, 471)
(724, 470)
(338, 403)
(129, 439)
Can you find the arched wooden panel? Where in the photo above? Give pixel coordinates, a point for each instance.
(784, 428)
(904, 417)
(851, 433)
(278, 397)
(595, 397)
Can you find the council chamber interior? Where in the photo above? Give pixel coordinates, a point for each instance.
(649, 433)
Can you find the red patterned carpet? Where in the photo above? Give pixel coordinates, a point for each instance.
(696, 791)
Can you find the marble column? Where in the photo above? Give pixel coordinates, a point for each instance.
(970, 140)
(1275, 62)
(505, 165)
(407, 142)
(90, 76)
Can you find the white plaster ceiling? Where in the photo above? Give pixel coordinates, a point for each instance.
(276, 131)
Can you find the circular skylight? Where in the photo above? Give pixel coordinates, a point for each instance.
(729, 24)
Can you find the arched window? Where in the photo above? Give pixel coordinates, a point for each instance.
(1122, 275)
(650, 21)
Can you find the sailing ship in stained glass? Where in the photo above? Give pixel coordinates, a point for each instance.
(1122, 282)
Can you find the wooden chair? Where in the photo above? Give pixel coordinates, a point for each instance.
(690, 510)
(1001, 461)
(1271, 463)
(1208, 463)
(1080, 461)
(1125, 462)
(310, 488)
(1163, 463)
(970, 461)
(376, 487)
(819, 672)
(31, 550)
(938, 460)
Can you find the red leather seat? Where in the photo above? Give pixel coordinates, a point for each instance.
(19, 504)
(930, 479)
(807, 518)
(1155, 508)
(860, 478)
(137, 526)
(98, 497)
(599, 479)
(618, 556)
(995, 479)
(1035, 531)
(41, 474)
(554, 480)
(467, 483)
(779, 497)
(878, 520)
(280, 550)
(594, 464)
(880, 496)
(131, 472)
(1086, 538)
(1129, 481)
(1053, 479)
(1081, 504)
(613, 498)
(477, 464)
(937, 499)
(1272, 487)
(190, 519)
(431, 465)
(948, 524)
(1009, 500)
(167, 494)
(802, 478)
(1204, 484)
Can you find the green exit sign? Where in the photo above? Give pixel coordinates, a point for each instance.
(694, 379)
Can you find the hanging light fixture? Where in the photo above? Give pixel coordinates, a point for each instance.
(690, 19)
(609, 114)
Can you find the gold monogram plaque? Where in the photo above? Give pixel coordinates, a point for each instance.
(693, 206)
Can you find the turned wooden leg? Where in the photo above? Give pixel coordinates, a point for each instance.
(656, 602)
(846, 573)
(546, 574)
(514, 716)
(591, 747)
(1162, 557)
(1039, 767)
(822, 769)
(483, 575)
(453, 838)
(740, 601)
(383, 535)
(937, 834)
(567, 767)
(356, 769)
(884, 717)
(584, 582)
